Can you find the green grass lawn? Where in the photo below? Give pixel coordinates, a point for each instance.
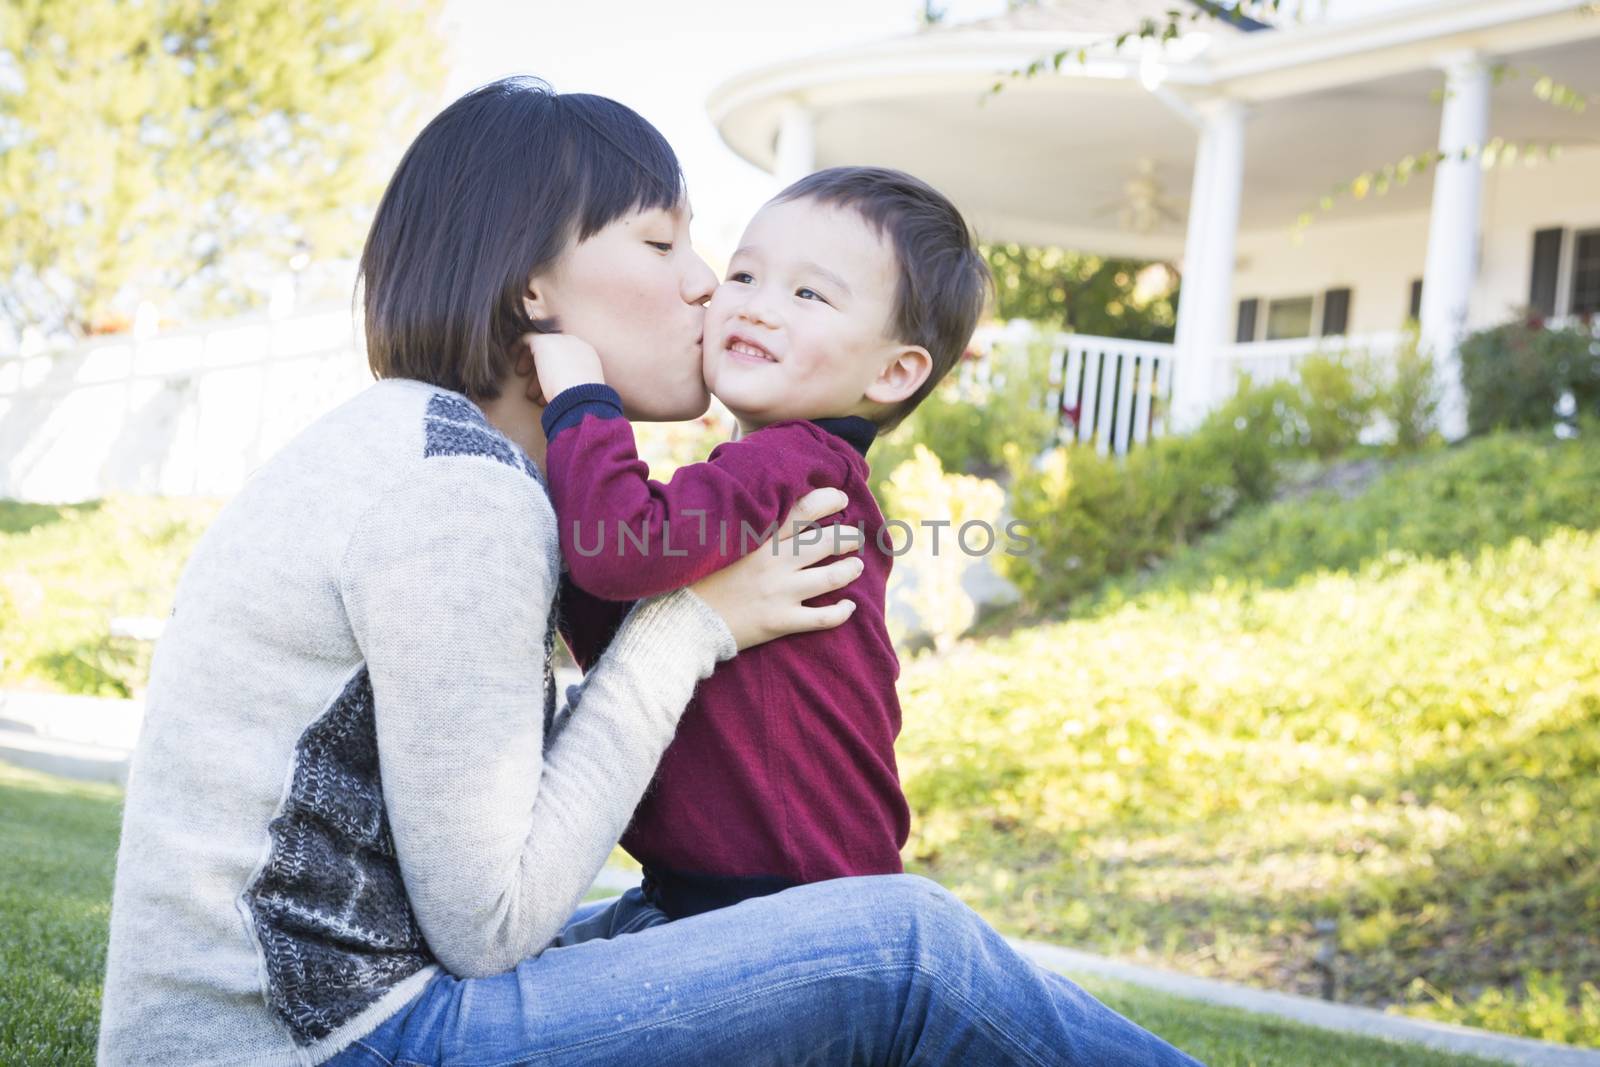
(1381, 712)
(57, 845)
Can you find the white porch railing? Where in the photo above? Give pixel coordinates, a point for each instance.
(1117, 394)
(1110, 392)
(1274, 361)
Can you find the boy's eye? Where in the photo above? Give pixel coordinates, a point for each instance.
(740, 276)
(664, 246)
(802, 291)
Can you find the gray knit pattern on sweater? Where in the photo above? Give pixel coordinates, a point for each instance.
(350, 774)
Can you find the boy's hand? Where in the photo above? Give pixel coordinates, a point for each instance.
(558, 361)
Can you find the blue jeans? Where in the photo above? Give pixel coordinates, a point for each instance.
(888, 969)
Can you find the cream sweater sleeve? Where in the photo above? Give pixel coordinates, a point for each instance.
(447, 582)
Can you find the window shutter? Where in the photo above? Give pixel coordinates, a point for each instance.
(1335, 312)
(1586, 274)
(1416, 299)
(1246, 331)
(1546, 265)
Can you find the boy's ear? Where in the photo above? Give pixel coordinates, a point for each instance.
(901, 376)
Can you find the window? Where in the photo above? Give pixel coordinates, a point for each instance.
(1586, 273)
(1289, 318)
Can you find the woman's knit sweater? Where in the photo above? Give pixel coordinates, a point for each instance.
(352, 770)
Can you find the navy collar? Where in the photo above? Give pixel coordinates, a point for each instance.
(856, 431)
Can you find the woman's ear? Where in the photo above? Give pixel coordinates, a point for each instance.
(901, 376)
(534, 300)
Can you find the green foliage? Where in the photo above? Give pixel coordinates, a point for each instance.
(1517, 373)
(1339, 394)
(59, 840)
(65, 572)
(1487, 492)
(1081, 292)
(1092, 517)
(1409, 401)
(970, 417)
(183, 150)
(1411, 750)
(1545, 1008)
(919, 489)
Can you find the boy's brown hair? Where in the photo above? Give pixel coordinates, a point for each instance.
(944, 281)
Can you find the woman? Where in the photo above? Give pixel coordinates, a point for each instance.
(357, 821)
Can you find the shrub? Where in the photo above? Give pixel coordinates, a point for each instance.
(1339, 393)
(1488, 492)
(1092, 517)
(989, 402)
(1409, 400)
(66, 571)
(1519, 374)
(1258, 426)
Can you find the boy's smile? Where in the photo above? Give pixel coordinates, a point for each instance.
(800, 327)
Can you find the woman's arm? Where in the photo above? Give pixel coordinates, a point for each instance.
(448, 581)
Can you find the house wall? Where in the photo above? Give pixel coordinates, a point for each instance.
(1378, 257)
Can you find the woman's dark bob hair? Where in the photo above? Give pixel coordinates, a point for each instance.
(490, 193)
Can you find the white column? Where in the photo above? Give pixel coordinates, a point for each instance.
(1452, 263)
(1205, 300)
(797, 150)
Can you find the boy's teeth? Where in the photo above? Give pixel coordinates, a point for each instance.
(749, 350)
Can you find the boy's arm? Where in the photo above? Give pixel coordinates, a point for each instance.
(587, 623)
(689, 526)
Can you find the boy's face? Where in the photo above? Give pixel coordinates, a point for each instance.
(799, 329)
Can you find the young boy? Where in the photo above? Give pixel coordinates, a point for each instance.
(853, 292)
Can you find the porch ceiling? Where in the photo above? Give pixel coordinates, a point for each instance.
(1047, 159)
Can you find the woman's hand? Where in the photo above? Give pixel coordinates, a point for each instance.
(760, 596)
(558, 361)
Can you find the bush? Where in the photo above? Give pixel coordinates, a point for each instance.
(969, 418)
(66, 571)
(1520, 374)
(1409, 400)
(1339, 394)
(1487, 492)
(1092, 517)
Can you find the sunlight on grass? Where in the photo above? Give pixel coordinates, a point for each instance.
(1198, 777)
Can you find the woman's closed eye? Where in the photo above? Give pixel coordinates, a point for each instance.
(660, 246)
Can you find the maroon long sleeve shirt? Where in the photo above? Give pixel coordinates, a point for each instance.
(783, 770)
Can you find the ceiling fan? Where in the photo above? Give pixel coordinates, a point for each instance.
(1144, 206)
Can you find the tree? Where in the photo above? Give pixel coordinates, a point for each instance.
(1086, 293)
(184, 150)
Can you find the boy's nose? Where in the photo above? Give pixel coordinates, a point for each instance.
(757, 310)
